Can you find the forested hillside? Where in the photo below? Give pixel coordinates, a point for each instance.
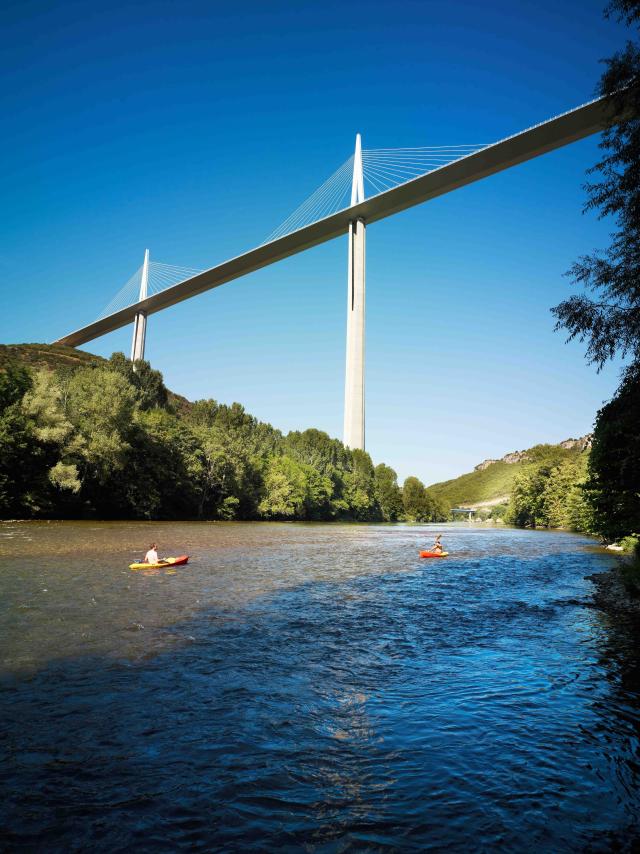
(86, 437)
(82, 436)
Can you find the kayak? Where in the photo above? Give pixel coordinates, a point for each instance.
(168, 561)
(433, 554)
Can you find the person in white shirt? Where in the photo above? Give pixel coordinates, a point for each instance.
(152, 555)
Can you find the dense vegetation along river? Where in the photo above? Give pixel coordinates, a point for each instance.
(312, 685)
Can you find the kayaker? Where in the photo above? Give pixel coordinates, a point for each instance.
(152, 555)
(437, 546)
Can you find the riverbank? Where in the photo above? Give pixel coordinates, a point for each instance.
(612, 594)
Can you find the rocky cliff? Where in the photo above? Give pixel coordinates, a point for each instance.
(583, 443)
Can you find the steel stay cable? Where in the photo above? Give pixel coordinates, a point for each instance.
(313, 212)
(310, 204)
(432, 158)
(335, 199)
(310, 211)
(396, 178)
(387, 181)
(378, 189)
(130, 289)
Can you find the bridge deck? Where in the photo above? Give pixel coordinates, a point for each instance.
(547, 136)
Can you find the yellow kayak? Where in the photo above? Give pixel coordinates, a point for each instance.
(168, 561)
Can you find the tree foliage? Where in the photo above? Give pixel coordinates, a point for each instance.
(100, 439)
(607, 315)
(387, 493)
(415, 500)
(614, 466)
(148, 383)
(15, 380)
(548, 494)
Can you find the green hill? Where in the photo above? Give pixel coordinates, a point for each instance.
(54, 357)
(50, 356)
(492, 481)
(489, 484)
(91, 438)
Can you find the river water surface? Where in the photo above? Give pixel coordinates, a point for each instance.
(312, 687)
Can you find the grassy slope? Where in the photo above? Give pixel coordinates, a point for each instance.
(496, 480)
(477, 486)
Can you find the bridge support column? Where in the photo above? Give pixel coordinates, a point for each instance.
(354, 379)
(140, 323)
(353, 436)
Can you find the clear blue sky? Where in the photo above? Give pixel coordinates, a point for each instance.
(195, 128)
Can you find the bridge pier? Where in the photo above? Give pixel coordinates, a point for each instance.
(354, 413)
(140, 322)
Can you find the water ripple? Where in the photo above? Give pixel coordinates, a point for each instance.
(313, 688)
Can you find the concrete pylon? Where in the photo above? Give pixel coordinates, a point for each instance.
(140, 323)
(353, 436)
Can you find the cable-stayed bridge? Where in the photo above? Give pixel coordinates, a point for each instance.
(369, 186)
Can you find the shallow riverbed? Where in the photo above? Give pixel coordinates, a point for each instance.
(314, 687)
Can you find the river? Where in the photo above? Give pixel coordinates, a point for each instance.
(312, 687)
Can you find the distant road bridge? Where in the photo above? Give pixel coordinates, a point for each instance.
(399, 179)
(463, 511)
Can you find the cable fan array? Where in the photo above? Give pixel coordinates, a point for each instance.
(126, 296)
(163, 276)
(384, 168)
(330, 197)
(160, 277)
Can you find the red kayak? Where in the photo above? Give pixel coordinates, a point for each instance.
(433, 554)
(178, 561)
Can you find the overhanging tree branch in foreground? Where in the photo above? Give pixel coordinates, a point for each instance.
(610, 322)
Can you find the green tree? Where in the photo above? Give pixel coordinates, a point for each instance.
(54, 432)
(15, 381)
(222, 475)
(527, 504)
(417, 506)
(387, 493)
(317, 449)
(236, 448)
(359, 491)
(285, 489)
(147, 382)
(23, 466)
(100, 404)
(614, 464)
(609, 321)
(318, 503)
(551, 495)
(36, 446)
(564, 502)
(163, 475)
(439, 510)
